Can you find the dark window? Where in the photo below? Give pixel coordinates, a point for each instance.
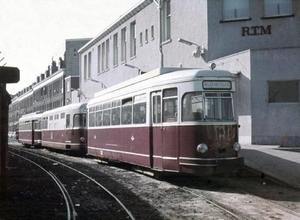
(139, 109)
(106, 114)
(170, 104)
(68, 120)
(115, 113)
(80, 120)
(284, 91)
(127, 111)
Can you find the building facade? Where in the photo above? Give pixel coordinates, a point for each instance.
(256, 40)
(51, 89)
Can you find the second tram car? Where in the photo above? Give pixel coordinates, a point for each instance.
(29, 129)
(174, 120)
(65, 127)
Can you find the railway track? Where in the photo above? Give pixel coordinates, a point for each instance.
(50, 166)
(247, 197)
(240, 201)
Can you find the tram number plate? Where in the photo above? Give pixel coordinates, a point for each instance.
(216, 84)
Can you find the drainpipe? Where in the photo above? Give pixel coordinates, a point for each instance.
(158, 3)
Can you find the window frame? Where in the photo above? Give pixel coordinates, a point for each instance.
(85, 67)
(272, 15)
(123, 44)
(115, 50)
(166, 20)
(132, 39)
(284, 92)
(226, 16)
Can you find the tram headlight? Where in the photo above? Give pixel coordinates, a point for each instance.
(237, 146)
(202, 148)
(82, 139)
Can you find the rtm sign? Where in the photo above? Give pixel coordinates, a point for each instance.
(256, 30)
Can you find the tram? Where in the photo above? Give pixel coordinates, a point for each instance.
(168, 120)
(29, 129)
(64, 128)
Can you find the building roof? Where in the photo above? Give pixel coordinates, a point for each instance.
(133, 11)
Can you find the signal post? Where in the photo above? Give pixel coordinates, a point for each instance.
(7, 75)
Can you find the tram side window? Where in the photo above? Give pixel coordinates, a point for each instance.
(28, 125)
(139, 109)
(37, 125)
(115, 114)
(68, 121)
(92, 116)
(192, 106)
(126, 117)
(106, 114)
(99, 116)
(45, 122)
(170, 104)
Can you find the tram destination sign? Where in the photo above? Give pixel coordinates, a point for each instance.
(212, 84)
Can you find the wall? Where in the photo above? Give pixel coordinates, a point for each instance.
(71, 57)
(226, 37)
(188, 21)
(274, 123)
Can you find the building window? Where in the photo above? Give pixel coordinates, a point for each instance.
(141, 39)
(103, 57)
(85, 67)
(283, 91)
(99, 59)
(133, 39)
(89, 65)
(152, 32)
(146, 36)
(68, 89)
(115, 59)
(107, 55)
(166, 20)
(278, 7)
(235, 9)
(123, 44)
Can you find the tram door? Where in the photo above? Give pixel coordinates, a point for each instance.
(157, 130)
(32, 131)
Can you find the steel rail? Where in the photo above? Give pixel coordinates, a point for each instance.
(68, 201)
(66, 194)
(88, 177)
(215, 204)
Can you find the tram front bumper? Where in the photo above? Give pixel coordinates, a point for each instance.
(212, 165)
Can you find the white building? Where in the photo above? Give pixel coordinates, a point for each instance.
(258, 40)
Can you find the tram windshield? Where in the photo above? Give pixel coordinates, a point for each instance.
(80, 120)
(207, 106)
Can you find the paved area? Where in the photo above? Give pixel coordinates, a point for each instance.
(281, 163)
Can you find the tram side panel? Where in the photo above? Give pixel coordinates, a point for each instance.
(25, 137)
(125, 144)
(64, 139)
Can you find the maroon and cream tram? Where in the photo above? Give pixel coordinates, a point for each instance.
(169, 119)
(29, 129)
(65, 127)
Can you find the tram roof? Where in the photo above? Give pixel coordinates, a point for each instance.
(66, 107)
(164, 75)
(31, 116)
